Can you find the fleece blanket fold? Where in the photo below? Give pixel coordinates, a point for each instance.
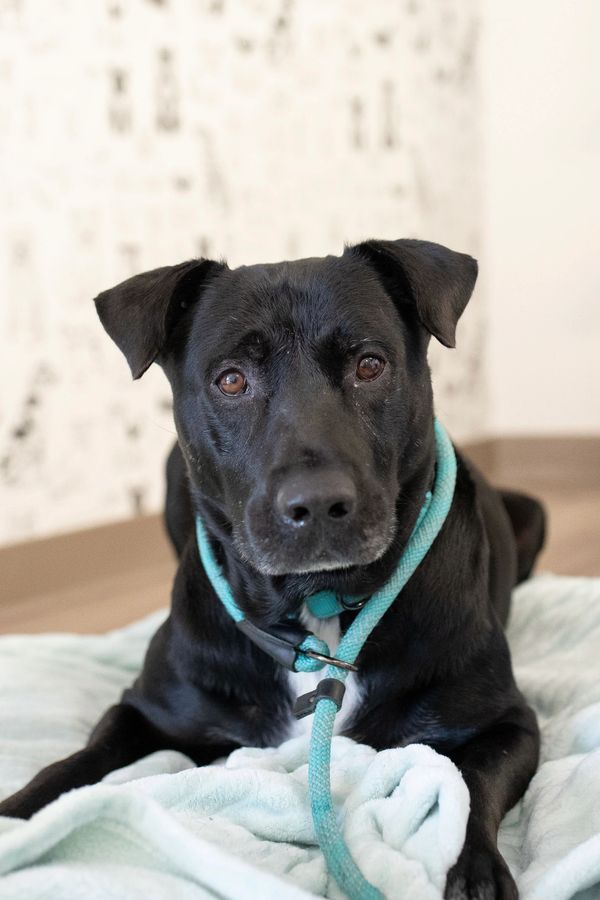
(162, 827)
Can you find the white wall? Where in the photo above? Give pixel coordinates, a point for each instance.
(138, 134)
(540, 65)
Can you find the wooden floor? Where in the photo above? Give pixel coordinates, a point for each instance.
(88, 581)
(103, 578)
(564, 473)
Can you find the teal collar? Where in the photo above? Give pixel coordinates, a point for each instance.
(288, 642)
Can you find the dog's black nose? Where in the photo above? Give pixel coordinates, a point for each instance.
(311, 497)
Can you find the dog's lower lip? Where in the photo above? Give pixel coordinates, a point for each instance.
(331, 567)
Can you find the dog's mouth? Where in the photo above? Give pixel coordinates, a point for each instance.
(273, 557)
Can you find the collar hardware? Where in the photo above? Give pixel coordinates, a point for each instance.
(330, 660)
(347, 605)
(329, 688)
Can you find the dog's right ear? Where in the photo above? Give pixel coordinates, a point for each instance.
(139, 313)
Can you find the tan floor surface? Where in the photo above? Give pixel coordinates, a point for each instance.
(112, 599)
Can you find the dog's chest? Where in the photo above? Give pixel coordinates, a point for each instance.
(303, 682)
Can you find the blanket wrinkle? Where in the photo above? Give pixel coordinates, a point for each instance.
(162, 827)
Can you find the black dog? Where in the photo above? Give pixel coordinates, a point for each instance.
(303, 405)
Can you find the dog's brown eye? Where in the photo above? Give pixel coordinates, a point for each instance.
(232, 382)
(369, 368)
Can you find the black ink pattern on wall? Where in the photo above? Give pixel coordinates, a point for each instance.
(141, 134)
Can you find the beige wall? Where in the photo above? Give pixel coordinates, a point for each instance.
(132, 135)
(540, 67)
(137, 134)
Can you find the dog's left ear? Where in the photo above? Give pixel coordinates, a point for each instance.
(435, 281)
(139, 314)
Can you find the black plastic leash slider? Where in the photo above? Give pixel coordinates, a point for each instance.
(329, 688)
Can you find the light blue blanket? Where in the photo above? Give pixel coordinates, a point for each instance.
(162, 828)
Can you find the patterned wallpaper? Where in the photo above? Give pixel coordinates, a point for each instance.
(136, 133)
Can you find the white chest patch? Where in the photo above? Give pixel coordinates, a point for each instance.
(327, 630)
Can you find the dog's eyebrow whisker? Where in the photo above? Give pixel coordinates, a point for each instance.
(364, 419)
(164, 428)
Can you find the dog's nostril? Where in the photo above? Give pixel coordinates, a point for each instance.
(338, 510)
(316, 498)
(299, 513)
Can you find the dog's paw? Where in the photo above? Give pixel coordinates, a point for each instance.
(18, 806)
(480, 873)
(10, 810)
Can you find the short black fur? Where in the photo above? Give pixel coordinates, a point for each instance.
(437, 668)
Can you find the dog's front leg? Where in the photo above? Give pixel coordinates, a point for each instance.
(121, 737)
(497, 766)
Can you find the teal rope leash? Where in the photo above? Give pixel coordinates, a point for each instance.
(338, 858)
(326, 700)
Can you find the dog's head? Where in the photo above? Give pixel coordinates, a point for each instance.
(300, 389)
